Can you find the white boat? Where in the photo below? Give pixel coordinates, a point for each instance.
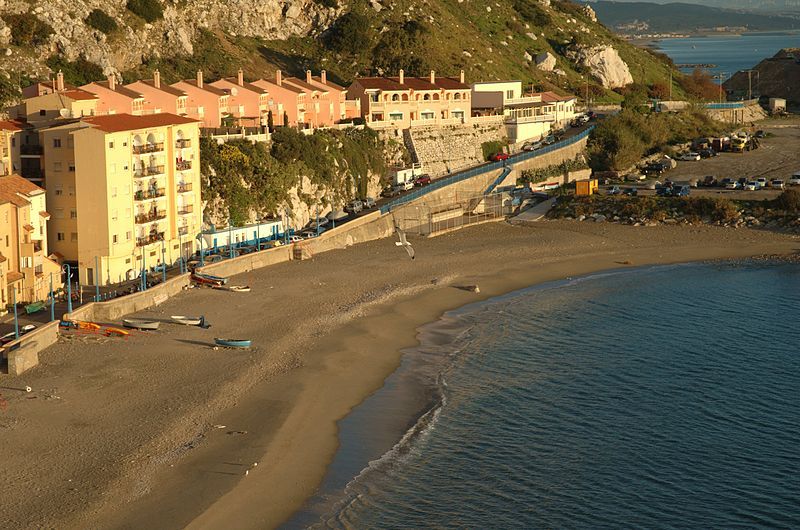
(187, 321)
(234, 288)
(137, 323)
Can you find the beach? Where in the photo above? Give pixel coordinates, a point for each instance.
(163, 431)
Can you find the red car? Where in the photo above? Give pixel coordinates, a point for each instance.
(498, 157)
(422, 180)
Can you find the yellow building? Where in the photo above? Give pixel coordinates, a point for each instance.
(25, 269)
(10, 139)
(130, 198)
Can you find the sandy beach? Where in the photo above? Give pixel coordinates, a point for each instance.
(161, 430)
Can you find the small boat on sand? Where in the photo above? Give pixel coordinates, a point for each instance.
(187, 321)
(86, 325)
(208, 279)
(136, 323)
(116, 331)
(234, 288)
(233, 343)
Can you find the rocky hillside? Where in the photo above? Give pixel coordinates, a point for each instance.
(777, 77)
(551, 44)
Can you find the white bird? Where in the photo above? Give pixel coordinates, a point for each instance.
(403, 241)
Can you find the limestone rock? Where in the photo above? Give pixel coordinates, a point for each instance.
(546, 61)
(589, 12)
(604, 63)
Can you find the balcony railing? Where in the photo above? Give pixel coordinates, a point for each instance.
(149, 217)
(183, 165)
(186, 210)
(539, 118)
(151, 238)
(148, 148)
(183, 143)
(27, 149)
(184, 187)
(152, 193)
(148, 171)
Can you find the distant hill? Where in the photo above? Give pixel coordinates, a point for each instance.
(777, 77)
(646, 17)
(768, 6)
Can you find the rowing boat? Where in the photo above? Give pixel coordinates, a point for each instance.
(208, 279)
(234, 288)
(116, 331)
(136, 323)
(233, 343)
(187, 321)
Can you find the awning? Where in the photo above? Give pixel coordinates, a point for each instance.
(44, 215)
(28, 228)
(2, 258)
(14, 277)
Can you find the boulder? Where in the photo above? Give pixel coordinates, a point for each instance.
(604, 63)
(546, 61)
(589, 12)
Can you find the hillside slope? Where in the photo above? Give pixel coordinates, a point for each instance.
(489, 39)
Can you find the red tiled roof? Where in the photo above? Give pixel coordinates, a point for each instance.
(44, 214)
(11, 186)
(247, 86)
(79, 94)
(329, 84)
(128, 122)
(271, 84)
(416, 83)
(7, 125)
(119, 89)
(551, 97)
(380, 83)
(208, 88)
(451, 83)
(302, 84)
(163, 87)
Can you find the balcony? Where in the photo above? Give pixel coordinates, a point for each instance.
(153, 237)
(184, 187)
(149, 171)
(539, 118)
(183, 143)
(149, 217)
(183, 165)
(183, 230)
(186, 209)
(148, 148)
(152, 193)
(32, 150)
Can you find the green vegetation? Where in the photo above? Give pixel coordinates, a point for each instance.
(326, 3)
(149, 10)
(700, 85)
(533, 176)
(621, 141)
(352, 34)
(27, 29)
(492, 147)
(78, 72)
(789, 201)
(396, 47)
(9, 90)
(100, 20)
(241, 177)
(694, 209)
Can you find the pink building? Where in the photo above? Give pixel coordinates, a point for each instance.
(160, 97)
(341, 110)
(284, 98)
(248, 102)
(114, 98)
(206, 103)
(319, 110)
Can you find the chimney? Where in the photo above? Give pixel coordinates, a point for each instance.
(240, 80)
(462, 76)
(157, 79)
(112, 82)
(402, 76)
(199, 79)
(433, 77)
(308, 76)
(323, 75)
(278, 77)
(60, 81)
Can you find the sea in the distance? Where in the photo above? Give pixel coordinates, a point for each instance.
(661, 397)
(729, 53)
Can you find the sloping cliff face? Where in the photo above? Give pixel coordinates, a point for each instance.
(774, 77)
(136, 40)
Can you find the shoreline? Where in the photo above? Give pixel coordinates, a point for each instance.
(288, 415)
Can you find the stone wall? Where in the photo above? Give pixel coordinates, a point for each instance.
(23, 354)
(443, 150)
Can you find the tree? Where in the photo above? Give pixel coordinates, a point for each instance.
(285, 119)
(659, 91)
(351, 34)
(270, 122)
(701, 85)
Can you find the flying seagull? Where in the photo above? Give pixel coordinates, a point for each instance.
(403, 241)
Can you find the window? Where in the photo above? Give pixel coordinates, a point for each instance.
(111, 145)
(153, 254)
(427, 115)
(395, 115)
(56, 166)
(374, 97)
(73, 236)
(124, 144)
(58, 213)
(56, 142)
(509, 94)
(128, 238)
(457, 96)
(72, 167)
(114, 239)
(113, 191)
(42, 112)
(60, 236)
(114, 215)
(59, 191)
(73, 214)
(127, 260)
(175, 247)
(426, 97)
(395, 97)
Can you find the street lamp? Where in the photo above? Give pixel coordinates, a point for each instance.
(69, 287)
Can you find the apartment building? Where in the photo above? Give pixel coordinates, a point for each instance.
(286, 101)
(527, 117)
(206, 103)
(127, 196)
(115, 98)
(320, 101)
(403, 102)
(25, 268)
(247, 102)
(10, 141)
(160, 97)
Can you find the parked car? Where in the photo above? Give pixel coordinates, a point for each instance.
(613, 190)
(794, 180)
(680, 191)
(707, 153)
(631, 192)
(353, 207)
(664, 191)
(422, 180)
(708, 181)
(8, 337)
(391, 192)
(750, 186)
(729, 184)
(760, 134)
(295, 239)
(533, 146)
(369, 202)
(690, 156)
(777, 184)
(499, 156)
(762, 182)
(549, 139)
(653, 169)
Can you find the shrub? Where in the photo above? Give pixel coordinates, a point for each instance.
(9, 91)
(490, 148)
(701, 85)
(531, 12)
(78, 72)
(350, 34)
(789, 200)
(100, 20)
(27, 29)
(326, 3)
(149, 10)
(401, 47)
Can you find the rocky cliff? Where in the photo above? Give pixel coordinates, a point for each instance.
(775, 77)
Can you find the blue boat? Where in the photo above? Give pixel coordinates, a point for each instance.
(233, 343)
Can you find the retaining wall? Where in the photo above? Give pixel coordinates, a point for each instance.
(23, 354)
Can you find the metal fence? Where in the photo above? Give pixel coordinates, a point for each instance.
(459, 211)
(480, 170)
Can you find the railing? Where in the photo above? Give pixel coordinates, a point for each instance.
(495, 118)
(148, 148)
(184, 187)
(531, 119)
(144, 218)
(485, 168)
(183, 165)
(187, 209)
(149, 171)
(151, 238)
(27, 149)
(522, 101)
(183, 143)
(143, 195)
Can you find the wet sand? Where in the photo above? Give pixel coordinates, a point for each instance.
(162, 431)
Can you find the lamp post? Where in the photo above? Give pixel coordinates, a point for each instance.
(230, 238)
(163, 261)
(200, 239)
(16, 319)
(52, 300)
(144, 269)
(96, 279)
(69, 287)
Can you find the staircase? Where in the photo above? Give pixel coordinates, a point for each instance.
(506, 170)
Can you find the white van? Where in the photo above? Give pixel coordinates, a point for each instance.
(794, 180)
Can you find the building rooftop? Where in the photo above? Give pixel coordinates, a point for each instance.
(8, 125)
(163, 87)
(119, 89)
(296, 81)
(451, 83)
(208, 88)
(552, 97)
(128, 122)
(247, 86)
(13, 186)
(78, 94)
(268, 83)
(329, 83)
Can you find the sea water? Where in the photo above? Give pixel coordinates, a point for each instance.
(649, 398)
(729, 53)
